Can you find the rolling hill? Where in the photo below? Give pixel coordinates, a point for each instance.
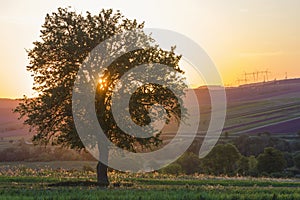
(264, 107)
(272, 107)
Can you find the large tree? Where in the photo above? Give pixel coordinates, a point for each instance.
(223, 159)
(66, 40)
(271, 160)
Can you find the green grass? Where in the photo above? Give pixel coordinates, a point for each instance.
(177, 193)
(220, 182)
(145, 186)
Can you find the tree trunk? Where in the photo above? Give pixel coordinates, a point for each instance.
(102, 178)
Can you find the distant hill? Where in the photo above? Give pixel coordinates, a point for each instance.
(289, 88)
(272, 106)
(6, 107)
(10, 126)
(264, 107)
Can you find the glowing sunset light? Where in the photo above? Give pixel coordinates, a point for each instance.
(240, 36)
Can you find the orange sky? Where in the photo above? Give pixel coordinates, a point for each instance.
(239, 35)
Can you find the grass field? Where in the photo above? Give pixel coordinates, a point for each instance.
(141, 188)
(20, 182)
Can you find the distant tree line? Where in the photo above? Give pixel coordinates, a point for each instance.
(226, 159)
(255, 145)
(245, 156)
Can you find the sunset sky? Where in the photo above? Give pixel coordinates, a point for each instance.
(239, 35)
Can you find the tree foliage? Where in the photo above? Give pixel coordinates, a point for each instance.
(189, 162)
(297, 160)
(243, 166)
(223, 159)
(255, 145)
(271, 160)
(65, 41)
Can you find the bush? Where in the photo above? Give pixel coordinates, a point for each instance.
(278, 175)
(189, 162)
(272, 160)
(173, 168)
(253, 166)
(88, 168)
(297, 160)
(243, 166)
(223, 159)
(289, 159)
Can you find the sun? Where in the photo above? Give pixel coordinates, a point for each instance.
(102, 83)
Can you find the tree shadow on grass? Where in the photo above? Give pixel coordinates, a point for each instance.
(89, 184)
(75, 184)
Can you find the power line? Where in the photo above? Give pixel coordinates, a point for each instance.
(254, 77)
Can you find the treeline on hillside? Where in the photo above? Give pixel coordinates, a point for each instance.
(255, 144)
(260, 155)
(225, 159)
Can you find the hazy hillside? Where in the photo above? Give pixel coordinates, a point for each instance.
(6, 106)
(264, 107)
(272, 90)
(10, 126)
(273, 107)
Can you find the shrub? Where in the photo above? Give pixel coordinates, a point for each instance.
(189, 162)
(88, 168)
(253, 166)
(272, 160)
(243, 166)
(297, 160)
(223, 159)
(289, 159)
(173, 168)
